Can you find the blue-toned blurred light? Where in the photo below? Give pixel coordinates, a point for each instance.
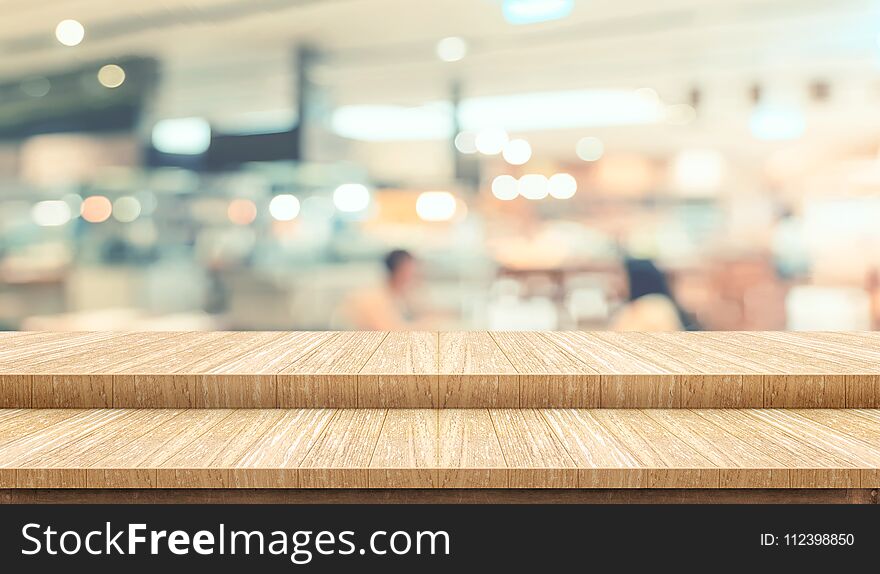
(777, 123)
(534, 11)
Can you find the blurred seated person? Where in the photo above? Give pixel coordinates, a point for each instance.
(393, 305)
(650, 304)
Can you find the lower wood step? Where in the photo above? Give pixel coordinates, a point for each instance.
(425, 448)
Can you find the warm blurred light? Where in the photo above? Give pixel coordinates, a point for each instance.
(436, 206)
(451, 49)
(70, 32)
(111, 76)
(562, 186)
(534, 11)
(430, 121)
(184, 136)
(680, 114)
(284, 207)
(698, 170)
(505, 187)
(491, 141)
(648, 94)
(96, 208)
(533, 186)
(465, 142)
(50, 213)
(36, 87)
(590, 148)
(126, 209)
(777, 123)
(242, 211)
(351, 197)
(517, 152)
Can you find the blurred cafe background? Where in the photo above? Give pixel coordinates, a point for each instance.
(452, 164)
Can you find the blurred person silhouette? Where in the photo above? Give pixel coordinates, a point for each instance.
(650, 304)
(393, 305)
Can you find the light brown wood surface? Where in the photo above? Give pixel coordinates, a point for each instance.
(440, 370)
(446, 448)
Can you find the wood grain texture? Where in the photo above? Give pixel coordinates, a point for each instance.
(447, 448)
(328, 377)
(440, 370)
(474, 372)
(403, 372)
(548, 375)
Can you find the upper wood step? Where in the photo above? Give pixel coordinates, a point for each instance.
(440, 369)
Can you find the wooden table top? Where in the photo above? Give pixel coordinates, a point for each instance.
(440, 369)
(439, 448)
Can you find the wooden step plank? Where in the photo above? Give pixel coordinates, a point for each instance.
(534, 455)
(341, 456)
(406, 450)
(809, 467)
(328, 376)
(707, 379)
(403, 372)
(470, 454)
(272, 461)
(628, 380)
(474, 372)
(548, 376)
(672, 462)
(741, 465)
(136, 465)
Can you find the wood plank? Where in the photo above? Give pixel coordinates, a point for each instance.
(628, 380)
(672, 462)
(328, 376)
(272, 461)
(603, 460)
(341, 457)
(470, 455)
(534, 455)
(205, 463)
(406, 450)
(474, 372)
(548, 375)
(402, 373)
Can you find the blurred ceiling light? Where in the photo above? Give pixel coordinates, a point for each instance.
(560, 110)
(517, 152)
(491, 141)
(436, 206)
(777, 123)
(533, 186)
(36, 87)
(111, 76)
(590, 148)
(284, 207)
(451, 49)
(96, 208)
(648, 94)
(50, 213)
(562, 186)
(505, 187)
(465, 142)
(680, 114)
(429, 121)
(698, 170)
(351, 197)
(241, 211)
(182, 136)
(126, 209)
(534, 11)
(70, 32)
